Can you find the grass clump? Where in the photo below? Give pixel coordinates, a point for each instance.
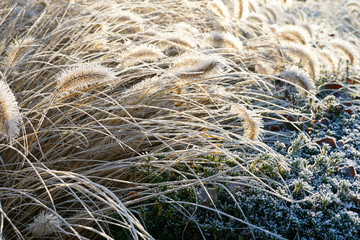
(125, 117)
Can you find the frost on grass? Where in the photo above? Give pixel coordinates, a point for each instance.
(9, 112)
(45, 223)
(83, 75)
(301, 79)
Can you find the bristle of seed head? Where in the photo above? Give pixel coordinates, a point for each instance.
(329, 57)
(177, 42)
(224, 41)
(306, 57)
(45, 223)
(347, 48)
(252, 122)
(18, 50)
(83, 75)
(271, 14)
(95, 43)
(197, 66)
(241, 9)
(263, 68)
(218, 91)
(141, 53)
(255, 18)
(143, 90)
(178, 38)
(293, 34)
(219, 8)
(9, 112)
(185, 27)
(127, 23)
(303, 82)
(353, 4)
(253, 6)
(307, 28)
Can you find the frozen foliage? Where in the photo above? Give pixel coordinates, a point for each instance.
(9, 112)
(182, 116)
(45, 223)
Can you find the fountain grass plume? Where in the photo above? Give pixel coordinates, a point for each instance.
(18, 50)
(329, 58)
(141, 53)
(219, 8)
(293, 34)
(10, 117)
(241, 9)
(347, 48)
(223, 41)
(252, 122)
(301, 79)
(305, 55)
(199, 65)
(83, 75)
(45, 223)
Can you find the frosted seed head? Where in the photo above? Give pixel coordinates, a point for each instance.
(197, 66)
(141, 53)
(224, 41)
(9, 112)
(45, 223)
(219, 8)
(301, 79)
(18, 50)
(348, 49)
(252, 122)
(83, 75)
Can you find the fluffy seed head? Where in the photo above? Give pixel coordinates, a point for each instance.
(293, 34)
(252, 123)
(224, 41)
(182, 26)
(141, 53)
(83, 75)
(95, 43)
(174, 42)
(302, 80)
(18, 50)
(126, 22)
(353, 4)
(241, 9)
(329, 58)
(45, 223)
(306, 57)
(143, 90)
(255, 18)
(9, 112)
(264, 68)
(197, 66)
(347, 48)
(219, 8)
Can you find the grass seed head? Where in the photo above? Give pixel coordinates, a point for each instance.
(224, 41)
(293, 34)
(347, 48)
(18, 50)
(83, 75)
(9, 112)
(306, 57)
(241, 9)
(197, 66)
(173, 43)
(301, 79)
(252, 122)
(141, 53)
(219, 8)
(45, 223)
